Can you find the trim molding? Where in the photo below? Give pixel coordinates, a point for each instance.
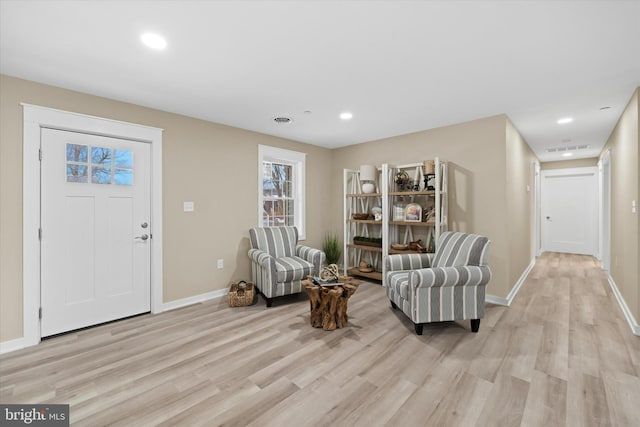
(11, 345)
(172, 305)
(633, 324)
(34, 119)
(514, 291)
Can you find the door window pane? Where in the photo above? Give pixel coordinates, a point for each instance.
(76, 173)
(123, 158)
(77, 153)
(100, 175)
(122, 176)
(100, 156)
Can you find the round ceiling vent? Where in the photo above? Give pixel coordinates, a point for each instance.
(282, 120)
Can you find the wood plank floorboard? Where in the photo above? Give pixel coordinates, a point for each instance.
(561, 355)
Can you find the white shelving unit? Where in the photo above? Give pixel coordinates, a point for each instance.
(356, 201)
(392, 229)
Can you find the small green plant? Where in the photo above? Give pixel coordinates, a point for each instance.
(332, 247)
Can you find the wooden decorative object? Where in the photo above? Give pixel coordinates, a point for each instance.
(328, 303)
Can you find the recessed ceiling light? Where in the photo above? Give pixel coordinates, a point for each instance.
(154, 41)
(565, 120)
(567, 154)
(282, 120)
(604, 108)
(346, 115)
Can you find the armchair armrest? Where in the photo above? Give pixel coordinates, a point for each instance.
(261, 257)
(468, 275)
(409, 261)
(314, 256)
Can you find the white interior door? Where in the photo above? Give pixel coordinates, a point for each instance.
(570, 210)
(95, 248)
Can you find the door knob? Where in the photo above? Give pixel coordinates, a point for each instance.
(144, 225)
(143, 237)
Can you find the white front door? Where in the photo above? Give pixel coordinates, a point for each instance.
(570, 210)
(95, 246)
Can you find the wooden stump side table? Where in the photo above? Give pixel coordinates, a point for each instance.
(329, 303)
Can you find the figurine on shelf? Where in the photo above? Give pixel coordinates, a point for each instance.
(429, 215)
(429, 175)
(401, 180)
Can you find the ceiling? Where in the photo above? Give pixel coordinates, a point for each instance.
(398, 66)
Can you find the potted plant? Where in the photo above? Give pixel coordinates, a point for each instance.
(332, 247)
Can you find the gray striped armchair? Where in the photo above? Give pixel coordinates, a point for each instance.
(447, 285)
(279, 263)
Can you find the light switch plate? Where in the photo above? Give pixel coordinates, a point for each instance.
(189, 207)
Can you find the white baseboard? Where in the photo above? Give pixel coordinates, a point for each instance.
(18, 344)
(11, 345)
(496, 300)
(172, 305)
(514, 291)
(633, 324)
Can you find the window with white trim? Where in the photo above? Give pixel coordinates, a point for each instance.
(281, 188)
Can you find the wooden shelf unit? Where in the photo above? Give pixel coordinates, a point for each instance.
(390, 230)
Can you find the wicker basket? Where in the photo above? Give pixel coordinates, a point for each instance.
(241, 294)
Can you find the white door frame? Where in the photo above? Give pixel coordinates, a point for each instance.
(35, 118)
(604, 167)
(536, 209)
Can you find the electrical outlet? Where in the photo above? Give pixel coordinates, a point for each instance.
(221, 263)
(189, 207)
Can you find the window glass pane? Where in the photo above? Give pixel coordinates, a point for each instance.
(123, 158)
(100, 175)
(268, 188)
(77, 153)
(76, 173)
(100, 156)
(288, 189)
(123, 176)
(280, 175)
(268, 211)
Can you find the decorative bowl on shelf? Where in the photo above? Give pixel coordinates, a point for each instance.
(400, 246)
(365, 269)
(360, 216)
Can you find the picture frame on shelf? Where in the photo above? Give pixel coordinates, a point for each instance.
(413, 213)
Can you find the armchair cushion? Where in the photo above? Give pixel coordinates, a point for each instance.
(292, 268)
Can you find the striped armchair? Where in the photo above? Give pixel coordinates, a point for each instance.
(447, 285)
(278, 263)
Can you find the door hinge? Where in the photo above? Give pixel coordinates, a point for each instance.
(40, 154)
(39, 233)
(40, 313)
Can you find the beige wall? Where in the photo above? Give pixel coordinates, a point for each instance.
(625, 184)
(520, 202)
(477, 156)
(489, 169)
(213, 165)
(567, 164)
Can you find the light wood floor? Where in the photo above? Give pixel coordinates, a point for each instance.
(562, 354)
